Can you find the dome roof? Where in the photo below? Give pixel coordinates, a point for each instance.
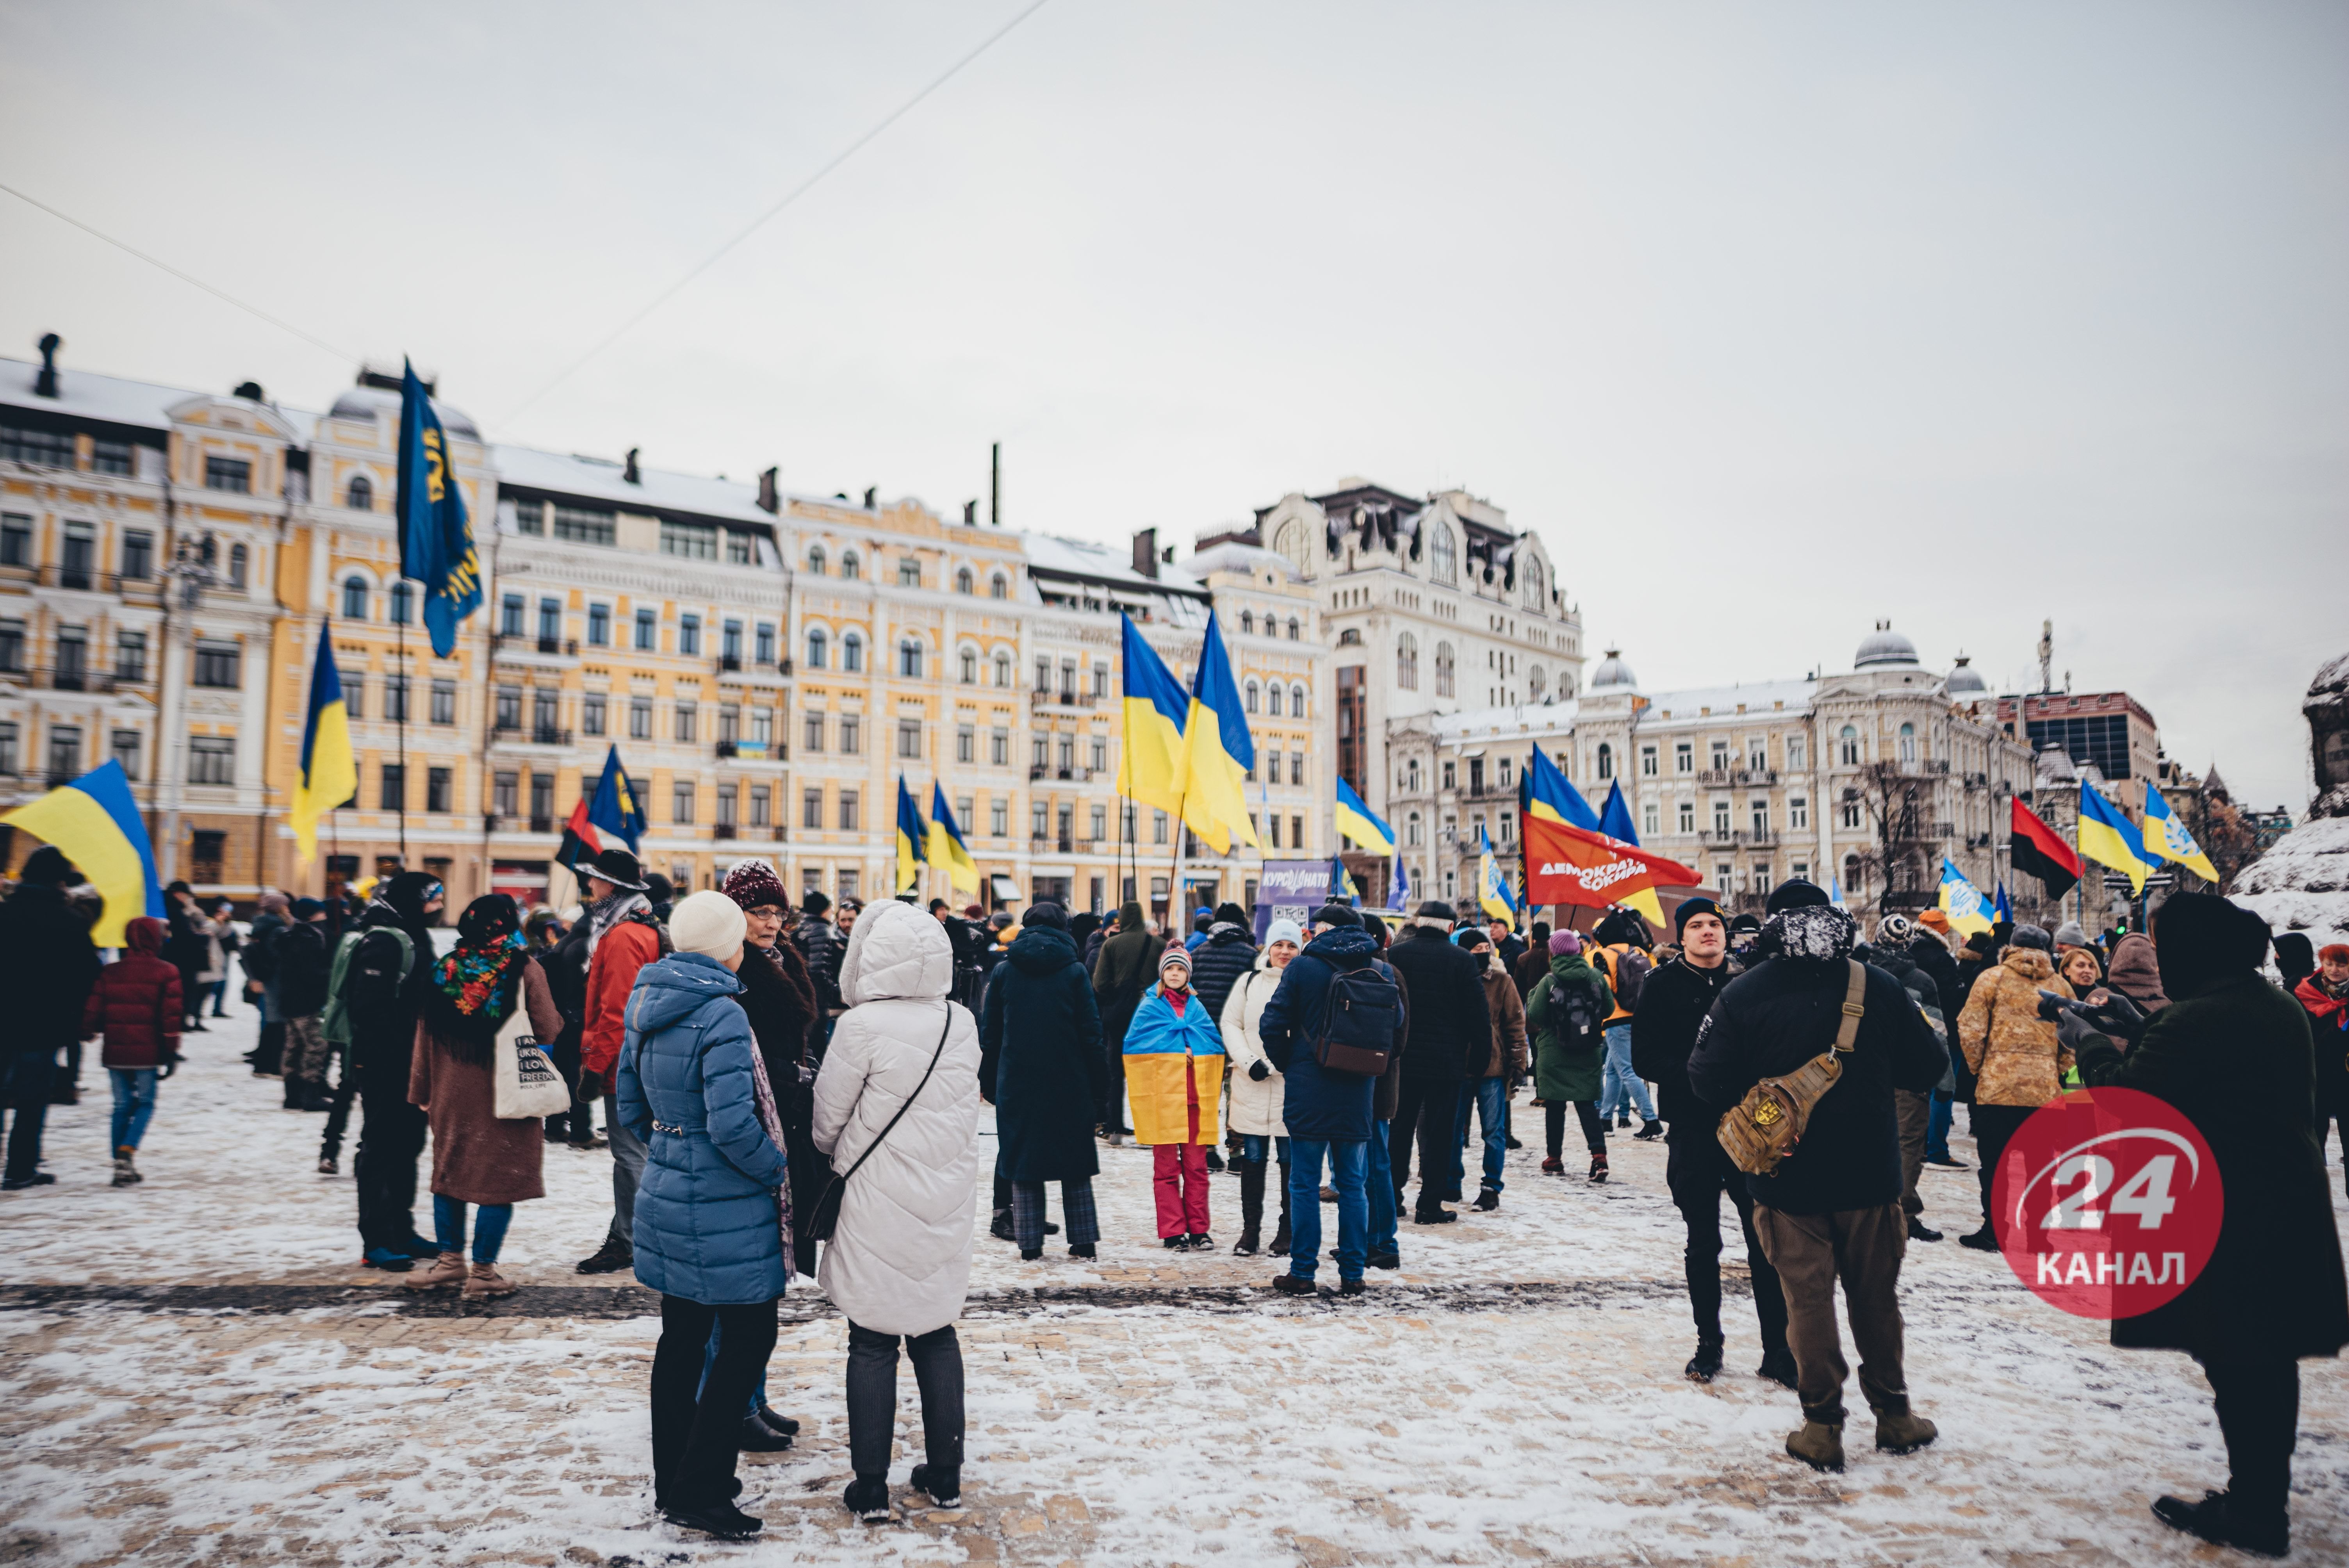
(1965, 681)
(1612, 672)
(366, 402)
(1884, 646)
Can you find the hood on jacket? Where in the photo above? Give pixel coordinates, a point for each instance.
(2135, 973)
(669, 989)
(1818, 932)
(1224, 933)
(145, 935)
(894, 951)
(1129, 916)
(1041, 950)
(2029, 962)
(1563, 965)
(2200, 939)
(1341, 946)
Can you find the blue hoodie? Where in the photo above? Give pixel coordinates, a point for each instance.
(1331, 1106)
(707, 1228)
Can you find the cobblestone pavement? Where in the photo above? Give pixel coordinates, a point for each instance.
(192, 1371)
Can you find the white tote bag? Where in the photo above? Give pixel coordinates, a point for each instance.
(527, 1083)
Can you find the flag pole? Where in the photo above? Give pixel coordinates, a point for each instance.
(403, 743)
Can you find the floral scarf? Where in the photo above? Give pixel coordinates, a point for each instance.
(473, 979)
(769, 1119)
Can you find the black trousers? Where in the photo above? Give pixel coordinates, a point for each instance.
(2258, 1400)
(1594, 1133)
(2325, 1119)
(695, 1440)
(1992, 1125)
(1697, 1172)
(873, 1397)
(268, 1056)
(391, 1136)
(1426, 1110)
(576, 1125)
(29, 1075)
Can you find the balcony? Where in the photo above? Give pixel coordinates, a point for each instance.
(729, 664)
(541, 824)
(1062, 843)
(71, 678)
(1753, 778)
(1718, 777)
(60, 778)
(1981, 841)
(1755, 837)
(722, 832)
(547, 735)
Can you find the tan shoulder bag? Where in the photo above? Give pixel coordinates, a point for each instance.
(1768, 1122)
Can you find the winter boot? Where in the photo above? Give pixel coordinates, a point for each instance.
(1598, 1166)
(999, 1227)
(485, 1282)
(2216, 1519)
(125, 1169)
(1279, 1247)
(1487, 1200)
(1215, 1160)
(1777, 1367)
(757, 1438)
(722, 1520)
(942, 1484)
(1029, 1254)
(610, 1258)
(1818, 1445)
(1291, 1285)
(867, 1497)
(1553, 1166)
(448, 1269)
(1898, 1430)
(1080, 1249)
(1251, 1206)
(1650, 1130)
(1706, 1365)
(1919, 1230)
(1983, 1241)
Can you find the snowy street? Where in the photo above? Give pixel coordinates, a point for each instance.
(1513, 1394)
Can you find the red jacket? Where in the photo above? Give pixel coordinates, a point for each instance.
(135, 1001)
(627, 947)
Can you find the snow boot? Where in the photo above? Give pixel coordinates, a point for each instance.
(1215, 1160)
(610, 1258)
(777, 1422)
(757, 1438)
(448, 1269)
(1553, 1166)
(1384, 1260)
(1650, 1130)
(1983, 1241)
(720, 1519)
(1352, 1287)
(386, 1260)
(942, 1484)
(1706, 1365)
(1898, 1430)
(1080, 1250)
(999, 1227)
(867, 1497)
(1291, 1285)
(1777, 1367)
(485, 1282)
(2215, 1519)
(125, 1169)
(1029, 1254)
(1251, 1206)
(1487, 1200)
(1818, 1445)
(1279, 1247)
(1599, 1167)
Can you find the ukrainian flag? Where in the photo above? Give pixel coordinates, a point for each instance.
(329, 775)
(1219, 753)
(2166, 836)
(1549, 797)
(95, 823)
(911, 839)
(2107, 838)
(1358, 823)
(1961, 901)
(1150, 753)
(1492, 887)
(946, 847)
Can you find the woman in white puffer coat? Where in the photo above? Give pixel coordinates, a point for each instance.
(898, 1263)
(1257, 1087)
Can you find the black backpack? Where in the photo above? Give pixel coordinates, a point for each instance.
(1360, 1015)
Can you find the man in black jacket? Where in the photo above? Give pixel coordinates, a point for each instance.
(1832, 1208)
(384, 997)
(46, 968)
(1673, 1007)
(1449, 1017)
(820, 942)
(303, 960)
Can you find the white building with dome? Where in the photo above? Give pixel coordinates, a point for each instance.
(1865, 778)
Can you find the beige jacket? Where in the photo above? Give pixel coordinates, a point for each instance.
(2012, 1049)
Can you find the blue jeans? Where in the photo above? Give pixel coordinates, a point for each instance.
(134, 1104)
(489, 1229)
(709, 1359)
(1936, 1132)
(1348, 1171)
(1255, 1146)
(1622, 1088)
(1386, 1208)
(1491, 1099)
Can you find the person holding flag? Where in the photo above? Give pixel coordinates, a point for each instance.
(913, 840)
(329, 775)
(2166, 836)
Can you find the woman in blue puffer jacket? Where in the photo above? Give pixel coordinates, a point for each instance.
(713, 1215)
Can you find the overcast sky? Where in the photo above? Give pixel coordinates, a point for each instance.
(1773, 319)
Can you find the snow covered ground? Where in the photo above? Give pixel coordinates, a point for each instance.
(1444, 1419)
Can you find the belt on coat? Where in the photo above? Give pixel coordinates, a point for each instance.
(665, 1127)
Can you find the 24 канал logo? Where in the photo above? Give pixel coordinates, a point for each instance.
(2108, 1202)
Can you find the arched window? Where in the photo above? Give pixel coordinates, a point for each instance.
(819, 648)
(1534, 585)
(1411, 828)
(1907, 743)
(852, 646)
(1855, 875)
(909, 658)
(1442, 555)
(403, 603)
(1407, 662)
(1254, 691)
(1276, 700)
(970, 667)
(1247, 622)
(1350, 638)
(359, 494)
(815, 560)
(240, 565)
(355, 599)
(1292, 629)
(1296, 701)
(1003, 670)
(850, 567)
(1850, 747)
(998, 586)
(1536, 681)
(1606, 761)
(964, 582)
(1444, 668)
(1289, 539)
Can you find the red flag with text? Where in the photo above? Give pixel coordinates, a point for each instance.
(1574, 865)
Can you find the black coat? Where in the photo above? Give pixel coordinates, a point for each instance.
(1450, 1019)
(304, 961)
(1042, 1061)
(821, 944)
(1674, 1003)
(781, 1006)
(385, 1002)
(1217, 964)
(1779, 1015)
(46, 968)
(2232, 1053)
(1123, 973)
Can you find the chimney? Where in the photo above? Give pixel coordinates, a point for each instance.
(250, 391)
(45, 383)
(768, 501)
(630, 471)
(970, 513)
(871, 491)
(1145, 552)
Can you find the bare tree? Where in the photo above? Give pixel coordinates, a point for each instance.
(1898, 806)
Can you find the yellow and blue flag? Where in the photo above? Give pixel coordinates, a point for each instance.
(913, 838)
(2002, 908)
(329, 774)
(1359, 823)
(1546, 794)
(436, 537)
(1493, 890)
(2107, 838)
(2166, 836)
(1615, 821)
(95, 823)
(946, 848)
(1962, 902)
(1219, 753)
(1150, 753)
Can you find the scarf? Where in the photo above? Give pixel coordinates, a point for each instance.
(475, 990)
(609, 911)
(770, 1118)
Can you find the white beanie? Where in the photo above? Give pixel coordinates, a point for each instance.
(1284, 930)
(710, 924)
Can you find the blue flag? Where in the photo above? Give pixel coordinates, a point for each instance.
(1615, 820)
(2004, 910)
(436, 538)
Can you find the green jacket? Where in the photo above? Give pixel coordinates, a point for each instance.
(1568, 1062)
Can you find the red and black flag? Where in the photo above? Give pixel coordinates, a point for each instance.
(2039, 850)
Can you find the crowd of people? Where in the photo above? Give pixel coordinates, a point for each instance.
(786, 1090)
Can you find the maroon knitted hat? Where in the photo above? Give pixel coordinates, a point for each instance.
(752, 883)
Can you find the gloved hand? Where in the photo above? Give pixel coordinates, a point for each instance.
(592, 1085)
(2119, 1017)
(166, 1067)
(1258, 1071)
(2075, 1030)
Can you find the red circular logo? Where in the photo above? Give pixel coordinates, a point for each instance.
(2108, 1202)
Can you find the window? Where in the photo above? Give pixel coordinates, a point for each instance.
(852, 735)
(1451, 774)
(1100, 819)
(131, 656)
(763, 644)
(689, 635)
(851, 652)
(359, 494)
(392, 790)
(819, 648)
(1855, 875)
(124, 751)
(1350, 638)
(15, 540)
(108, 457)
(1907, 743)
(761, 727)
(216, 664)
(50, 449)
(1848, 745)
(1798, 814)
(1101, 683)
(1038, 748)
(1292, 628)
(1297, 700)
(1721, 818)
(813, 733)
(1157, 827)
(599, 625)
(1099, 763)
(1043, 674)
(730, 721)
(1276, 700)
(508, 711)
(693, 540)
(1684, 757)
(681, 803)
(647, 631)
(812, 798)
(1040, 823)
(1800, 870)
(1407, 662)
(1249, 701)
(546, 717)
(510, 612)
(909, 739)
(1247, 623)
(355, 694)
(1651, 820)
(1647, 762)
(403, 603)
(436, 790)
(1797, 750)
(583, 525)
(355, 599)
(815, 559)
(138, 555)
(847, 805)
(530, 517)
(966, 744)
(999, 748)
(550, 623)
(240, 566)
(1412, 831)
(1720, 756)
(970, 667)
(640, 719)
(964, 582)
(227, 474)
(741, 548)
(8, 764)
(1443, 669)
(444, 701)
(1273, 827)
(727, 814)
(909, 658)
(1758, 814)
(729, 643)
(1687, 817)
(542, 799)
(1442, 555)
(999, 587)
(395, 698)
(909, 571)
(759, 795)
(851, 567)
(688, 715)
(999, 816)
(1003, 670)
(212, 758)
(1757, 753)
(1606, 761)
(1851, 813)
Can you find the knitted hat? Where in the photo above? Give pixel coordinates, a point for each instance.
(47, 867)
(710, 924)
(1284, 930)
(1048, 914)
(1894, 928)
(1472, 939)
(308, 909)
(2029, 936)
(1562, 943)
(2069, 935)
(752, 883)
(1690, 909)
(1933, 920)
(1175, 955)
(1796, 893)
(1338, 915)
(814, 901)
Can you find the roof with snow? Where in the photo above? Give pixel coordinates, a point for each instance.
(86, 395)
(604, 480)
